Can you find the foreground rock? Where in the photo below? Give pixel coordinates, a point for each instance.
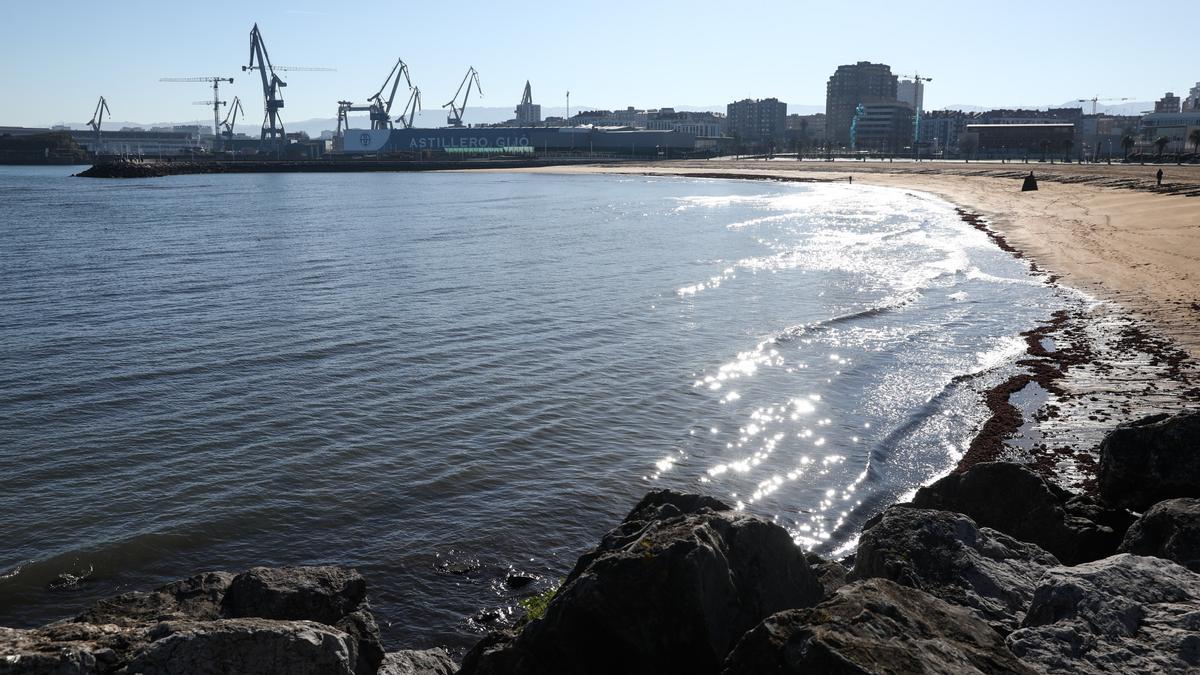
(873, 626)
(1126, 614)
(1170, 530)
(947, 555)
(1018, 502)
(1151, 460)
(671, 589)
(263, 621)
(419, 662)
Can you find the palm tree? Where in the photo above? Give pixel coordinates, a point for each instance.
(1160, 144)
(1127, 142)
(1194, 137)
(1067, 144)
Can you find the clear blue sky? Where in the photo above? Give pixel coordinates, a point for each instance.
(60, 56)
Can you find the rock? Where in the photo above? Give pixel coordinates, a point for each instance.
(245, 646)
(831, 574)
(873, 626)
(671, 589)
(1127, 614)
(1018, 502)
(330, 595)
(947, 555)
(1170, 530)
(197, 597)
(114, 632)
(67, 648)
(518, 579)
(419, 662)
(1153, 459)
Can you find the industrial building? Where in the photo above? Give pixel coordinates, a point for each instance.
(758, 124)
(528, 113)
(485, 141)
(850, 85)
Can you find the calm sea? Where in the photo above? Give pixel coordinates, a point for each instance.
(439, 378)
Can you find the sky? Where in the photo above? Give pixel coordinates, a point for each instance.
(60, 57)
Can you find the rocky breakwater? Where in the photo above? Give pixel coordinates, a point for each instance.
(989, 570)
(288, 620)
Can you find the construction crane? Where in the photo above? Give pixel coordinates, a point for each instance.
(1096, 99)
(380, 111)
(411, 109)
(216, 101)
(235, 108)
(97, 119)
(454, 119)
(918, 99)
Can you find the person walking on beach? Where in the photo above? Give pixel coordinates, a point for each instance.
(1158, 177)
(851, 178)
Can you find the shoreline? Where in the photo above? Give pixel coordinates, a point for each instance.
(1084, 369)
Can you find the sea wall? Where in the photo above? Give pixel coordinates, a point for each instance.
(993, 569)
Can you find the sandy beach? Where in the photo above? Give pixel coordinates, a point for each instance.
(1103, 229)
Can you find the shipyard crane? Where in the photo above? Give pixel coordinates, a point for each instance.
(381, 111)
(97, 119)
(411, 109)
(216, 101)
(344, 110)
(272, 136)
(235, 109)
(1096, 99)
(917, 101)
(454, 119)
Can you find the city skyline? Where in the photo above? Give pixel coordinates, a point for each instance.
(659, 56)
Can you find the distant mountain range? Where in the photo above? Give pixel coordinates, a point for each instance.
(436, 117)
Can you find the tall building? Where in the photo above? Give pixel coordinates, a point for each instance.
(1192, 102)
(885, 127)
(758, 124)
(912, 93)
(850, 85)
(1167, 104)
(528, 112)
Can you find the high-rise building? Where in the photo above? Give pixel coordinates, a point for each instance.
(912, 93)
(1192, 102)
(850, 85)
(1167, 104)
(528, 112)
(758, 124)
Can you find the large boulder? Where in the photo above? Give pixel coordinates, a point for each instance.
(419, 662)
(1124, 614)
(1018, 502)
(947, 555)
(873, 626)
(68, 647)
(1153, 459)
(1170, 530)
(671, 589)
(245, 646)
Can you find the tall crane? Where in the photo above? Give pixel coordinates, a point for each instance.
(454, 119)
(381, 111)
(411, 109)
(918, 99)
(272, 137)
(97, 119)
(231, 119)
(1096, 99)
(216, 101)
